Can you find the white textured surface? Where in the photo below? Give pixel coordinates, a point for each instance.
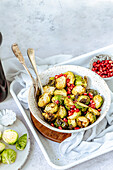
(53, 27)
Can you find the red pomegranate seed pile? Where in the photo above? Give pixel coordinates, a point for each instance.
(103, 68)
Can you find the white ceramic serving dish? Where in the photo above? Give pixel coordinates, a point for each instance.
(94, 82)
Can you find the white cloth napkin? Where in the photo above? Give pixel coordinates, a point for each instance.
(79, 144)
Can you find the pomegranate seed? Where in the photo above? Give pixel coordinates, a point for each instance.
(60, 75)
(90, 95)
(77, 110)
(68, 92)
(65, 120)
(93, 69)
(76, 128)
(56, 76)
(65, 75)
(99, 110)
(56, 101)
(98, 61)
(60, 127)
(69, 97)
(70, 113)
(73, 106)
(67, 80)
(52, 124)
(94, 63)
(91, 101)
(85, 94)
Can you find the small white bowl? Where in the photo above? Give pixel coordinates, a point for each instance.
(94, 82)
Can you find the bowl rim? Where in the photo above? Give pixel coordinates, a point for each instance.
(63, 130)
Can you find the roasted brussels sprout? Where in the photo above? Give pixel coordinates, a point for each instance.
(49, 89)
(72, 123)
(64, 125)
(60, 92)
(93, 92)
(60, 82)
(51, 108)
(75, 115)
(94, 111)
(58, 122)
(44, 99)
(49, 117)
(83, 99)
(98, 100)
(81, 106)
(21, 142)
(10, 136)
(2, 146)
(91, 117)
(78, 90)
(79, 81)
(62, 112)
(51, 81)
(8, 156)
(82, 121)
(58, 98)
(68, 103)
(70, 76)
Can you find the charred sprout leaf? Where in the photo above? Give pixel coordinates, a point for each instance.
(49, 117)
(44, 99)
(72, 123)
(81, 106)
(79, 81)
(68, 103)
(8, 156)
(78, 90)
(51, 108)
(58, 98)
(60, 92)
(49, 89)
(75, 115)
(70, 76)
(91, 117)
(21, 143)
(98, 100)
(62, 112)
(2, 146)
(93, 92)
(58, 122)
(83, 99)
(61, 82)
(10, 136)
(64, 125)
(82, 121)
(94, 111)
(51, 81)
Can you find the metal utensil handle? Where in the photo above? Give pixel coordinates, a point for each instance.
(31, 56)
(19, 55)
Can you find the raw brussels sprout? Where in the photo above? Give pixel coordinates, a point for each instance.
(58, 98)
(2, 146)
(83, 99)
(8, 156)
(78, 90)
(62, 112)
(72, 122)
(98, 100)
(51, 81)
(68, 103)
(10, 136)
(70, 76)
(75, 115)
(93, 92)
(44, 99)
(60, 92)
(21, 142)
(61, 82)
(58, 122)
(51, 108)
(81, 106)
(79, 81)
(49, 89)
(49, 117)
(0, 135)
(82, 121)
(94, 111)
(91, 117)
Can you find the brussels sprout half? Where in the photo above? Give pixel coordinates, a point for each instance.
(2, 146)
(81, 106)
(72, 123)
(51, 108)
(68, 103)
(70, 76)
(78, 90)
(94, 111)
(82, 121)
(8, 156)
(10, 136)
(62, 112)
(91, 117)
(21, 142)
(79, 81)
(60, 92)
(58, 98)
(98, 100)
(49, 117)
(75, 115)
(49, 89)
(44, 99)
(60, 82)
(83, 99)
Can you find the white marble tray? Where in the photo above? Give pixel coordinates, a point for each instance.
(50, 148)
